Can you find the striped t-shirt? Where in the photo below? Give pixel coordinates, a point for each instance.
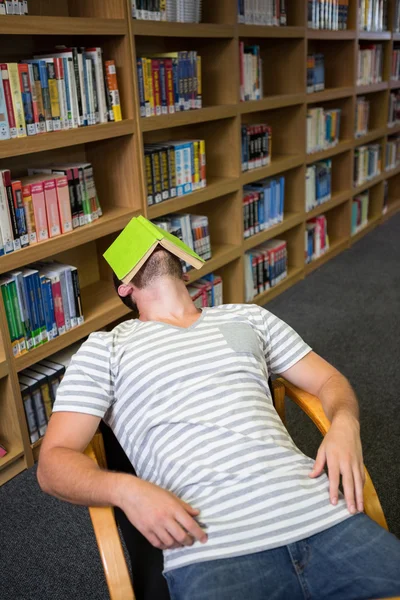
(192, 409)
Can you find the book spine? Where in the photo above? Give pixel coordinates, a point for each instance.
(155, 73)
(33, 310)
(67, 94)
(202, 158)
(142, 98)
(20, 213)
(23, 309)
(29, 214)
(90, 89)
(78, 87)
(163, 89)
(74, 99)
(9, 310)
(64, 204)
(169, 86)
(171, 171)
(17, 99)
(61, 90)
(58, 304)
(19, 325)
(4, 123)
(112, 86)
(30, 417)
(71, 297)
(54, 98)
(77, 296)
(149, 178)
(39, 210)
(64, 294)
(39, 303)
(50, 197)
(6, 176)
(44, 83)
(26, 95)
(156, 175)
(37, 100)
(40, 411)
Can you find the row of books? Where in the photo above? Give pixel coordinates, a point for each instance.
(169, 82)
(396, 11)
(367, 163)
(323, 128)
(180, 11)
(315, 73)
(263, 205)
(47, 203)
(394, 108)
(392, 154)
(65, 89)
(318, 183)
(250, 69)
(262, 12)
(174, 168)
(206, 291)
(41, 302)
(362, 116)
(359, 212)
(193, 230)
(328, 14)
(264, 267)
(395, 74)
(13, 7)
(316, 238)
(373, 15)
(370, 64)
(256, 146)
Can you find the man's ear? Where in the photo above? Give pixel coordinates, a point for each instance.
(125, 290)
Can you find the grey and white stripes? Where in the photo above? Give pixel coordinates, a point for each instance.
(193, 412)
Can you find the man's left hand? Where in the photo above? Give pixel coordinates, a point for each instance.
(341, 451)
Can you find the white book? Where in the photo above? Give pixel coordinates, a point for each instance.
(84, 98)
(5, 220)
(95, 54)
(4, 124)
(90, 83)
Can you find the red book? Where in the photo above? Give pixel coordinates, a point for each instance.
(8, 99)
(155, 72)
(169, 85)
(57, 301)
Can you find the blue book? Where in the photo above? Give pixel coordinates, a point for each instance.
(27, 102)
(29, 286)
(274, 204)
(175, 81)
(48, 306)
(39, 303)
(68, 92)
(142, 99)
(163, 89)
(261, 210)
(282, 198)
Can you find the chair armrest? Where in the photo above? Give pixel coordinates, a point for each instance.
(107, 537)
(312, 406)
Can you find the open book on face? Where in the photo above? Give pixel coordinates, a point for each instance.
(128, 253)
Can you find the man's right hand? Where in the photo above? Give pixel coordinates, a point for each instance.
(164, 519)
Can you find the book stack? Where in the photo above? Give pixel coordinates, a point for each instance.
(180, 11)
(193, 230)
(359, 212)
(48, 203)
(251, 76)
(373, 15)
(256, 146)
(370, 63)
(65, 89)
(392, 155)
(367, 163)
(263, 205)
(174, 168)
(328, 14)
(318, 183)
(262, 12)
(362, 116)
(395, 74)
(13, 7)
(264, 267)
(38, 386)
(316, 238)
(315, 73)
(169, 82)
(394, 108)
(41, 301)
(206, 291)
(323, 129)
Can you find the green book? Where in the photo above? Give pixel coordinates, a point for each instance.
(137, 241)
(12, 286)
(8, 305)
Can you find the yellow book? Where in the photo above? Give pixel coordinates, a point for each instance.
(198, 78)
(163, 10)
(196, 159)
(202, 160)
(53, 93)
(150, 86)
(146, 88)
(16, 95)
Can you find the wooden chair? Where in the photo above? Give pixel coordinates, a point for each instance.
(103, 519)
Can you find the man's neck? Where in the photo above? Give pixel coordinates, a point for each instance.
(167, 300)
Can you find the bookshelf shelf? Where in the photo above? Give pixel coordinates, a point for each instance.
(393, 207)
(394, 84)
(216, 187)
(271, 102)
(12, 469)
(391, 172)
(391, 129)
(63, 139)
(371, 135)
(100, 306)
(338, 149)
(113, 219)
(373, 87)
(329, 94)
(374, 36)
(321, 34)
(278, 164)
(3, 368)
(291, 219)
(188, 117)
(222, 254)
(42, 25)
(372, 223)
(335, 248)
(260, 31)
(361, 188)
(294, 275)
(192, 30)
(13, 454)
(336, 200)
(396, 36)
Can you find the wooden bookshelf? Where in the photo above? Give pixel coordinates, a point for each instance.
(117, 154)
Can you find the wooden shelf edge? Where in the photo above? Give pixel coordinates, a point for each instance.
(373, 87)
(394, 84)
(168, 29)
(335, 249)
(392, 209)
(271, 102)
(391, 172)
(3, 368)
(391, 129)
(365, 186)
(215, 189)
(336, 200)
(12, 456)
(370, 136)
(322, 154)
(290, 220)
(222, 255)
(329, 94)
(372, 223)
(188, 117)
(374, 35)
(295, 274)
(327, 34)
(278, 165)
(63, 139)
(265, 31)
(42, 25)
(12, 470)
(111, 221)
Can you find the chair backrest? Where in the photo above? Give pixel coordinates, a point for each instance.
(146, 561)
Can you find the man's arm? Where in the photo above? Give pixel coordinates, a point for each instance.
(341, 448)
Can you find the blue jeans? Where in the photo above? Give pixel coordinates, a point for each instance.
(354, 560)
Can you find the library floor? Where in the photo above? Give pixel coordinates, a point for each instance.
(349, 311)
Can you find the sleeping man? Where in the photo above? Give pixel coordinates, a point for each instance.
(239, 511)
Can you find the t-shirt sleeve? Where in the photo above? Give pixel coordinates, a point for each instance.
(87, 386)
(284, 347)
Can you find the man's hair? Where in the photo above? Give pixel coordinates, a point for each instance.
(160, 263)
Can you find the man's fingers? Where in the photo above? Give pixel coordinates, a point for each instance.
(191, 526)
(348, 488)
(319, 463)
(180, 535)
(166, 538)
(155, 541)
(334, 477)
(359, 485)
(189, 509)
